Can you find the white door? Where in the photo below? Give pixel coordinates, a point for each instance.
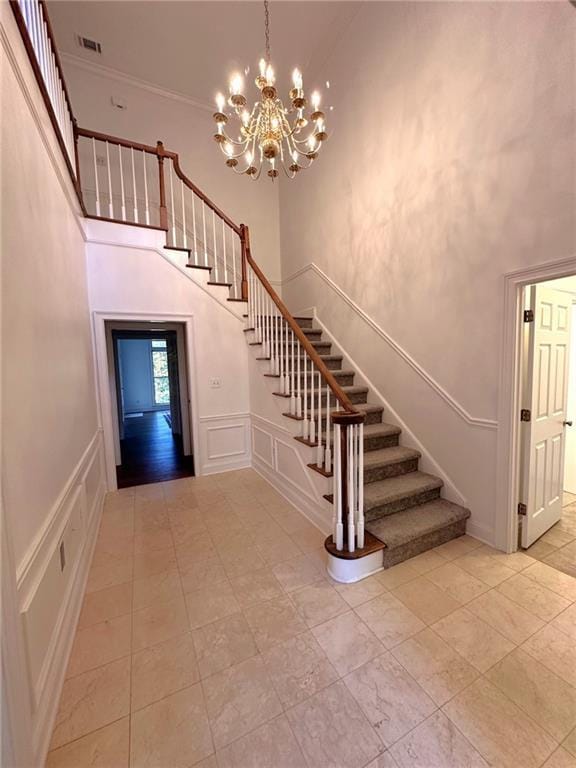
(570, 449)
(547, 394)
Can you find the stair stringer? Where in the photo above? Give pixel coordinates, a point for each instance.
(127, 236)
(409, 439)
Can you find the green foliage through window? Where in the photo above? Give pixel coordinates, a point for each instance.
(160, 372)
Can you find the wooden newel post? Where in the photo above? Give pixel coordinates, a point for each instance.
(163, 209)
(245, 241)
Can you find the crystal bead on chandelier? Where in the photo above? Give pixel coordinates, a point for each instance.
(271, 132)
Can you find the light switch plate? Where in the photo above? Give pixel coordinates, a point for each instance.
(215, 383)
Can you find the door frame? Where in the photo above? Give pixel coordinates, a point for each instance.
(103, 373)
(508, 436)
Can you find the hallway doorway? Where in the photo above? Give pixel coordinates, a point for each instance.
(152, 426)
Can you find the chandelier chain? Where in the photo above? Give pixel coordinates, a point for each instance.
(267, 30)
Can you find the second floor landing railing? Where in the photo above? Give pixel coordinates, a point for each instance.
(143, 185)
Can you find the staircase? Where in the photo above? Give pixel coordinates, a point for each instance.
(385, 509)
(403, 507)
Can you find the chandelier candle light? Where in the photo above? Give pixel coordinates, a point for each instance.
(271, 132)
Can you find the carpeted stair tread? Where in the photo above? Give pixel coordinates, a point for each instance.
(374, 430)
(366, 408)
(341, 372)
(351, 389)
(395, 488)
(414, 523)
(393, 455)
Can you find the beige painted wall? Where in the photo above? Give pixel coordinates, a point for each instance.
(48, 396)
(188, 130)
(450, 162)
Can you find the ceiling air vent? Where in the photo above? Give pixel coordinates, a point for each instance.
(90, 45)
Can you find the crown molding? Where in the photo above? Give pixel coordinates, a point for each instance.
(121, 77)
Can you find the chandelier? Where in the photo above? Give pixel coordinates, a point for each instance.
(270, 135)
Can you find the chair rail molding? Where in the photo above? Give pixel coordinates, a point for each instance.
(508, 438)
(475, 421)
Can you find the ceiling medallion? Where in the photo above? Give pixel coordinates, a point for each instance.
(271, 133)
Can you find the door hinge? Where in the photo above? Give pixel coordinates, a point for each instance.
(525, 414)
(528, 315)
(521, 509)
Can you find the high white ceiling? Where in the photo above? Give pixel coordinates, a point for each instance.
(193, 47)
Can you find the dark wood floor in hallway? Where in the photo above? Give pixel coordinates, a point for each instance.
(150, 452)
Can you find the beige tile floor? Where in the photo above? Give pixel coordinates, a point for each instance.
(210, 636)
(558, 545)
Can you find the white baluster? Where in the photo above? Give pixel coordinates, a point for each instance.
(286, 371)
(194, 227)
(215, 254)
(278, 318)
(320, 447)
(292, 374)
(360, 527)
(351, 489)
(269, 321)
(327, 449)
(257, 325)
(273, 350)
(269, 325)
(46, 52)
(337, 491)
(264, 323)
(146, 205)
(282, 349)
(298, 382)
(319, 453)
(305, 423)
(172, 211)
(136, 219)
(184, 233)
(224, 250)
(96, 178)
(204, 233)
(37, 39)
(110, 200)
(312, 425)
(122, 195)
(233, 236)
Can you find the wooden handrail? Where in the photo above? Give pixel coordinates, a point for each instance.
(200, 194)
(151, 149)
(326, 374)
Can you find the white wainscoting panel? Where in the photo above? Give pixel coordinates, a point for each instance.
(50, 595)
(224, 443)
(282, 461)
